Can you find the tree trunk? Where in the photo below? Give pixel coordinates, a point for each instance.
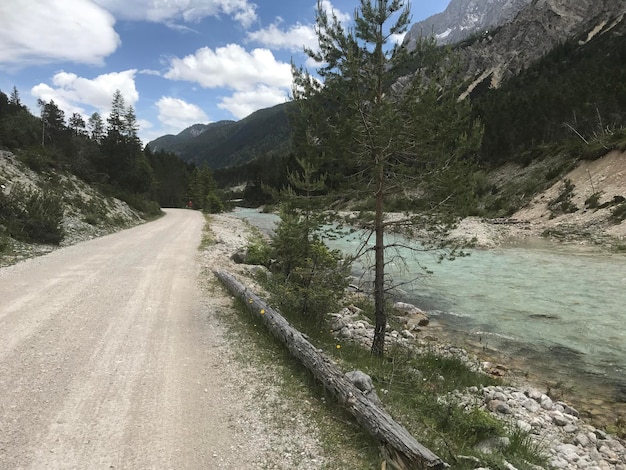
(378, 344)
(400, 449)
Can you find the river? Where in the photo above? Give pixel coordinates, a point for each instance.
(555, 313)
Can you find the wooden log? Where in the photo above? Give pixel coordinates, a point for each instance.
(401, 449)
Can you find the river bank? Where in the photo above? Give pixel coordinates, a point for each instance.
(573, 441)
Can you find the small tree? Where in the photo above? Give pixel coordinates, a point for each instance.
(203, 191)
(77, 124)
(309, 278)
(381, 138)
(95, 125)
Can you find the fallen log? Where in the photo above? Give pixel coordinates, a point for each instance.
(400, 448)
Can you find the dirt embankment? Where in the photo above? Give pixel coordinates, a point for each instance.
(581, 208)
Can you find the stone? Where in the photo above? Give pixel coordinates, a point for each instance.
(489, 445)
(559, 420)
(607, 452)
(361, 380)
(546, 402)
(581, 440)
(569, 410)
(407, 334)
(531, 405)
(346, 332)
(616, 446)
(534, 394)
(568, 451)
(240, 256)
(499, 407)
(570, 428)
(499, 396)
(413, 317)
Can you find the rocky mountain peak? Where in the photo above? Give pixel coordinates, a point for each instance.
(463, 18)
(536, 29)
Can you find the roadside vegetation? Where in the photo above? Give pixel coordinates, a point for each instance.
(57, 169)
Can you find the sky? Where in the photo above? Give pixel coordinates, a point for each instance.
(177, 62)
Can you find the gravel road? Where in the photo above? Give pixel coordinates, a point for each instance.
(108, 358)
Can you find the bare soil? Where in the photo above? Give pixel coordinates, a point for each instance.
(605, 177)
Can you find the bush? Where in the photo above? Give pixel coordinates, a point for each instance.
(563, 203)
(257, 252)
(593, 201)
(619, 213)
(213, 204)
(309, 279)
(32, 216)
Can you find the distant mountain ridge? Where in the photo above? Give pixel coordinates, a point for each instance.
(462, 18)
(230, 143)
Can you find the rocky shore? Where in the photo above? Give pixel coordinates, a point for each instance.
(556, 427)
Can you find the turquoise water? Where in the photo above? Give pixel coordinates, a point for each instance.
(559, 309)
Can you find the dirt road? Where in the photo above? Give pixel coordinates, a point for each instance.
(108, 358)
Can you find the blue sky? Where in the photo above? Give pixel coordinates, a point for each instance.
(177, 62)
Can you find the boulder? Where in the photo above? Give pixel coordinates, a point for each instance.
(240, 256)
(412, 317)
(363, 382)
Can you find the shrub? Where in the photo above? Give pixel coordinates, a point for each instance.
(563, 204)
(32, 216)
(257, 252)
(213, 204)
(619, 213)
(593, 201)
(309, 279)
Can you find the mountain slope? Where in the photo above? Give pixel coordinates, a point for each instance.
(228, 143)
(537, 29)
(463, 18)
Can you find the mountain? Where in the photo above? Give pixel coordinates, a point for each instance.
(463, 18)
(229, 143)
(537, 29)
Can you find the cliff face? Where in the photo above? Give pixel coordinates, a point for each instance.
(535, 30)
(463, 18)
(509, 35)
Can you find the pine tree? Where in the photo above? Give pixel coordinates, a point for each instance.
(14, 99)
(77, 124)
(95, 124)
(379, 138)
(115, 121)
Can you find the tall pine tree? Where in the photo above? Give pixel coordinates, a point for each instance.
(383, 139)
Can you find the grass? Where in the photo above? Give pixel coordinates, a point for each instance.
(208, 238)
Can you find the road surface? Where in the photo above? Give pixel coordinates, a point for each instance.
(107, 359)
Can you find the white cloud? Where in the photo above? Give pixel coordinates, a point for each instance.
(75, 94)
(397, 38)
(243, 103)
(295, 38)
(232, 67)
(54, 31)
(177, 114)
(168, 11)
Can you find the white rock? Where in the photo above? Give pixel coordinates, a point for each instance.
(407, 334)
(546, 402)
